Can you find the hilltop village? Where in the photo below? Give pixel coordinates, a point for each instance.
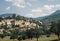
(18, 22)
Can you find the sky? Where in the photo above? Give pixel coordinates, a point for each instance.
(29, 8)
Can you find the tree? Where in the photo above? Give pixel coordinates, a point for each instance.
(2, 36)
(58, 29)
(38, 32)
(55, 28)
(30, 33)
(34, 33)
(13, 24)
(14, 34)
(47, 32)
(20, 38)
(23, 34)
(14, 16)
(1, 18)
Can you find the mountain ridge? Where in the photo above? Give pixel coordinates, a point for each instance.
(54, 17)
(54, 14)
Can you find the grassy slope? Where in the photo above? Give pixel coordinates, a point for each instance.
(44, 38)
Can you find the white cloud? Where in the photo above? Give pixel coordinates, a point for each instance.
(37, 10)
(41, 11)
(58, 5)
(33, 0)
(48, 7)
(8, 0)
(29, 15)
(51, 0)
(21, 3)
(7, 8)
(34, 15)
(17, 3)
(43, 8)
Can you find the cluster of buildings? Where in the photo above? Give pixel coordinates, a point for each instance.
(19, 24)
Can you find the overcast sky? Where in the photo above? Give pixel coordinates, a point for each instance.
(29, 8)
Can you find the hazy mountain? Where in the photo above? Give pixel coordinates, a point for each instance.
(7, 14)
(40, 18)
(10, 14)
(53, 17)
(17, 16)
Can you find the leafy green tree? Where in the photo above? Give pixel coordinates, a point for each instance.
(34, 33)
(13, 24)
(55, 28)
(30, 33)
(38, 33)
(47, 32)
(20, 38)
(58, 29)
(23, 34)
(14, 34)
(2, 36)
(14, 16)
(1, 19)
(4, 26)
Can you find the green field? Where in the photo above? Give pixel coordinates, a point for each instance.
(43, 38)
